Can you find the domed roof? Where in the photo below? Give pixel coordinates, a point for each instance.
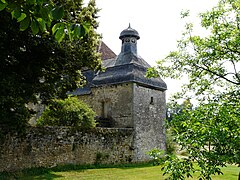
(129, 32)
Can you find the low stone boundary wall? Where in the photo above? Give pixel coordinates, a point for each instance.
(51, 146)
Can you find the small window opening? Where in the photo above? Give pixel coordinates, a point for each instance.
(105, 109)
(151, 102)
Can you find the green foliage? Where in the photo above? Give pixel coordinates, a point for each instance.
(43, 15)
(178, 168)
(170, 144)
(174, 108)
(211, 60)
(36, 68)
(68, 112)
(210, 132)
(157, 156)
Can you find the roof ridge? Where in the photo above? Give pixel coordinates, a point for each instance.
(106, 52)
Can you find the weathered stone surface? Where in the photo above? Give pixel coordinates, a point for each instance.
(113, 102)
(124, 95)
(133, 105)
(51, 146)
(149, 109)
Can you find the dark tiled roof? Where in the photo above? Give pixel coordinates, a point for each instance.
(106, 52)
(133, 69)
(130, 58)
(89, 75)
(109, 63)
(128, 73)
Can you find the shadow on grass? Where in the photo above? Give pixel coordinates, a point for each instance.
(48, 173)
(34, 173)
(48, 176)
(28, 176)
(71, 167)
(132, 166)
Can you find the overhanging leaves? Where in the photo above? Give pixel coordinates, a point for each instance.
(34, 27)
(3, 5)
(24, 24)
(57, 12)
(47, 13)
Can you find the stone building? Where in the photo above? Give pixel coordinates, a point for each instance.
(131, 106)
(123, 97)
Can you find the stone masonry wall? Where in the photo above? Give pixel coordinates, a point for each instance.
(113, 102)
(149, 114)
(143, 107)
(51, 146)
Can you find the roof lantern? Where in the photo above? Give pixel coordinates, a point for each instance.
(129, 32)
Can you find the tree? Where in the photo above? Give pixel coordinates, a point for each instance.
(210, 133)
(208, 61)
(48, 16)
(173, 108)
(37, 68)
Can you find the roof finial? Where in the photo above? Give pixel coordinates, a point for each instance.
(129, 26)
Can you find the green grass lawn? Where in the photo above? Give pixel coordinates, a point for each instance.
(138, 172)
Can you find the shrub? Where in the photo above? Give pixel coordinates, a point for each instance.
(68, 112)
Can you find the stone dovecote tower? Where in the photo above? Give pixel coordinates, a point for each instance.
(123, 97)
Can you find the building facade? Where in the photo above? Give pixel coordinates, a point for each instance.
(123, 97)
